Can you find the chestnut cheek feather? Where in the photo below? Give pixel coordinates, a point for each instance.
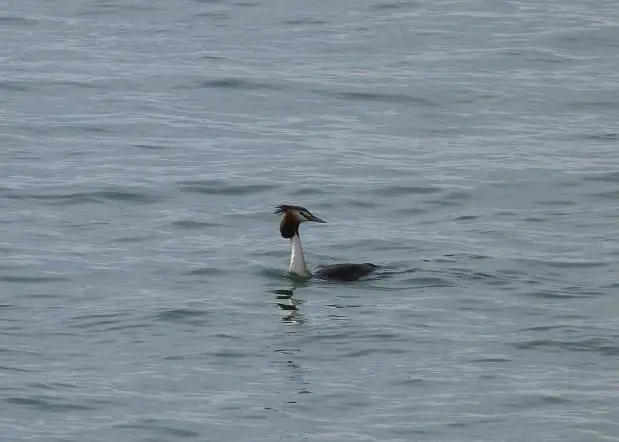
(288, 227)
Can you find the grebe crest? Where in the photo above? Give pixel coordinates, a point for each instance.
(292, 217)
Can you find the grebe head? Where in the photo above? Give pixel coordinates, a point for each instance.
(292, 216)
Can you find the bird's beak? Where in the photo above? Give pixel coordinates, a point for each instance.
(317, 220)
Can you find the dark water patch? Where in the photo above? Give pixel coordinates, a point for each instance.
(471, 275)
(363, 96)
(564, 264)
(96, 196)
(407, 382)
(592, 105)
(544, 56)
(232, 354)
(443, 202)
(420, 282)
(549, 327)
(369, 351)
(527, 401)
(556, 203)
(135, 239)
(212, 14)
(560, 294)
(14, 86)
(454, 257)
(97, 320)
(17, 21)
(397, 190)
(98, 130)
(205, 271)
(491, 360)
(578, 292)
(183, 315)
(121, 326)
(239, 84)
(467, 217)
(536, 219)
(607, 136)
(14, 369)
(212, 57)
(605, 177)
(47, 404)
(570, 316)
(218, 187)
(52, 386)
(604, 346)
(577, 264)
(610, 195)
(41, 279)
(162, 428)
(391, 5)
(305, 21)
(151, 146)
(190, 224)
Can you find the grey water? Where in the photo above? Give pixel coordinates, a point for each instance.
(469, 148)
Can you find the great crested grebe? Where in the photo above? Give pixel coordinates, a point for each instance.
(292, 217)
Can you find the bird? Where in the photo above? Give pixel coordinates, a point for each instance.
(291, 218)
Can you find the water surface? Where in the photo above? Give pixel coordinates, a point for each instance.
(468, 148)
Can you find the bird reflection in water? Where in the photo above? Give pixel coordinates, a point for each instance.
(285, 301)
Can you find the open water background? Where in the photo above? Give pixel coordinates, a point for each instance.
(470, 148)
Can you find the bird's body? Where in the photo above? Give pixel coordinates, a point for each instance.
(345, 272)
(292, 217)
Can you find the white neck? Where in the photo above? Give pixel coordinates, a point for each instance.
(297, 260)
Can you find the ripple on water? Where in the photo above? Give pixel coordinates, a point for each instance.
(391, 5)
(368, 96)
(183, 316)
(95, 196)
(206, 270)
(604, 177)
(404, 190)
(241, 84)
(611, 195)
(48, 403)
(605, 346)
(191, 224)
(173, 428)
(100, 321)
(14, 86)
(305, 21)
(151, 146)
(221, 187)
(565, 293)
(17, 21)
(420, 282)
(602, 136)
(565, 264)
